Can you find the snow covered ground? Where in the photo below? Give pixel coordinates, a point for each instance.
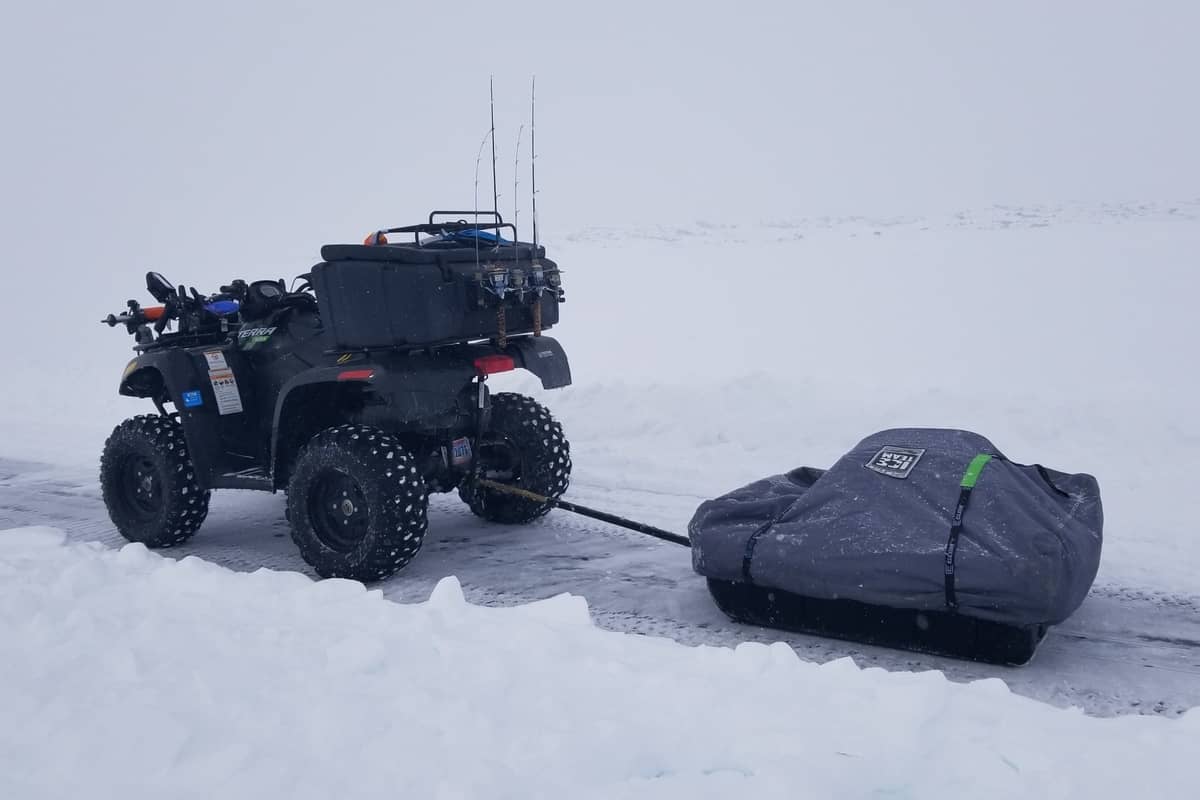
(784, 226)
(670, 408)
(127, 674)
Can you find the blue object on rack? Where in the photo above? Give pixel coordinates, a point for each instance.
(223, 308)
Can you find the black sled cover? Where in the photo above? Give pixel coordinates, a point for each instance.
(912, 518)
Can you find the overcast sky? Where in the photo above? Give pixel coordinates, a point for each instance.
(193, 130)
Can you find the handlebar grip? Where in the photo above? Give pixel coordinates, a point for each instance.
(153, 313)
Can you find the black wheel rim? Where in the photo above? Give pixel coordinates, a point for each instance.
(141, 487)
(500, 460)
(338, 510)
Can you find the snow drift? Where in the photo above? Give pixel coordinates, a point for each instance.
(125, 673)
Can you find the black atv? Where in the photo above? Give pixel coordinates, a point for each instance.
(357, 392)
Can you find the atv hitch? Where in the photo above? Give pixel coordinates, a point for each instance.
(603, 516)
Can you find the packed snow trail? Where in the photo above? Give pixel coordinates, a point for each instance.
(1127, 650)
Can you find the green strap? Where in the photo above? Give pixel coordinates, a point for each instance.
(973, 470)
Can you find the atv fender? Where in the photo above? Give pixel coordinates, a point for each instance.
(544, 357)
(157, 375)
(309, 379)
(163, 376)
(398, 390)
(140, 380)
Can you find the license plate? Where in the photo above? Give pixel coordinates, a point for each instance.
(460, 452)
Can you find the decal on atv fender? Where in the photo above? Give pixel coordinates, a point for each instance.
(215, 359)
(248, 338)
(229, 400)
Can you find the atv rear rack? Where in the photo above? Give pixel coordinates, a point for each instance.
(458, 223)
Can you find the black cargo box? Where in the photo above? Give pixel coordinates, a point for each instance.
(408, 295)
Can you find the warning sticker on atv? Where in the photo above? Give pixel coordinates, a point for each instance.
(225, 387)
(215, 359)
(896, 462)
(460, 452)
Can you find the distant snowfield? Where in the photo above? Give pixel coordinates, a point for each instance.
(707, 355)
(126, 674)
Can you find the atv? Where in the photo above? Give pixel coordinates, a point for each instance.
(357, 392)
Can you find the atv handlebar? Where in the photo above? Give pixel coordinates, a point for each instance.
(137, 316)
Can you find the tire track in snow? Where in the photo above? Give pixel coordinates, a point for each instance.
(1127, 650)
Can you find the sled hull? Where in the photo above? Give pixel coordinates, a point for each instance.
(936, 632)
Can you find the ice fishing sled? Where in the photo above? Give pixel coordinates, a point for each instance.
(924, 539)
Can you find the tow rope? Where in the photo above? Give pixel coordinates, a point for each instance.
(603, 516)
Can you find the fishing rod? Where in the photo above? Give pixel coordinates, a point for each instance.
(478, 158)
(536, 271)
(517, 205)
(495, 190)
(533, 159)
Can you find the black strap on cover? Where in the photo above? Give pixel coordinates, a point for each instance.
(750, 543)
(970, 477)
(754, 537)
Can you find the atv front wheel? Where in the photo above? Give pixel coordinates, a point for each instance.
(148, 482)
(356, 504)
(524, 447)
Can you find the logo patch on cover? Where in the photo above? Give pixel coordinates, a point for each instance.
(192, 398)
(896, 462)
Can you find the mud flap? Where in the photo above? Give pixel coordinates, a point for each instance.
(544, 357)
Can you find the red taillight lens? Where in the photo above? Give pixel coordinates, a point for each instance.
(489, 365)
(356, 375)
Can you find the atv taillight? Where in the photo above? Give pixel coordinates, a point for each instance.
(356, 375)
(489, 365)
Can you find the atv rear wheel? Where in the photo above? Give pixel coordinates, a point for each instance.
(524, 447)
(148, 482)
(356, 504)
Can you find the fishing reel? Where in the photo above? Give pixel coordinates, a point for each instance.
(547, 279)
(500, 283)
(497, 282)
